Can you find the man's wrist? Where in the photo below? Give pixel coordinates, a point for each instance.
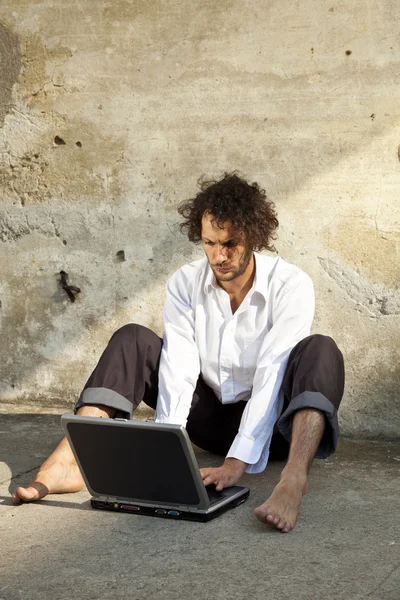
(236, 464)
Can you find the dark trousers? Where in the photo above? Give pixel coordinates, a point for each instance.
(127, 373)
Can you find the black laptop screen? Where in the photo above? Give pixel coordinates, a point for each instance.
(125, 462)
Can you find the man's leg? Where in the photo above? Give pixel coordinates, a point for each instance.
(211, 425)
(313, 388)
(283, 506)
(59, 473)
(126, 373)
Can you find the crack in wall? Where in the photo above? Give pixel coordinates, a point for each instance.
(56, 229)
(54, 83)
(16, 224)
(375, 300)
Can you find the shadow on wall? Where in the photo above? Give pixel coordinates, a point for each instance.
(57, 307)
(168, 245)
(10, 66)
(321, 156)
(373, 414)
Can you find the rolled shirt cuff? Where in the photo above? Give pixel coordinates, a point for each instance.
(251, 451)
(320, 402)
(174, 420)
(105, 397)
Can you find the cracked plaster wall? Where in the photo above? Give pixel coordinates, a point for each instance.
(110, 111)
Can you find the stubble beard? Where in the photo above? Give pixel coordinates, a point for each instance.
(243, 264)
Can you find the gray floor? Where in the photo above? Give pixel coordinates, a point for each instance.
(346, 544)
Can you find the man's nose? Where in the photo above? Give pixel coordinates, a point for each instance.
(221, 254)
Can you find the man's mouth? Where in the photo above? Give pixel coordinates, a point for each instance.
(222, 269)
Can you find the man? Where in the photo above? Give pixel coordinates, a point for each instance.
(237, 365)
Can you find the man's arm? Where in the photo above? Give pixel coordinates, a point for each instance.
(292, 319)
(179, 364)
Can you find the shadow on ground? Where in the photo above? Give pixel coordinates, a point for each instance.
(346, 542)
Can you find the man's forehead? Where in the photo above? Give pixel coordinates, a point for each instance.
(222, 231)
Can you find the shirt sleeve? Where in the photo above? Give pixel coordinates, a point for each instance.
(179, 363)
(292, 317)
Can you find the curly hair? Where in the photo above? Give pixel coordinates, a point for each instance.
(245, 206)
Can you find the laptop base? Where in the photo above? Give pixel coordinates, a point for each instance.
(166, 513)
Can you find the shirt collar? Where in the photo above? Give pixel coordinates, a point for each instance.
(258, 283)
(210, 281)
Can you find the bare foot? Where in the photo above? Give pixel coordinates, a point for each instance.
(57, 479)
(58, 474)
(283, 506)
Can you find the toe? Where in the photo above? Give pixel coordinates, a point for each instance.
(260, 512)
(288, 527)
(15, 498)
(276, 520)
(270, 518)
(33, 492)
(27, 494)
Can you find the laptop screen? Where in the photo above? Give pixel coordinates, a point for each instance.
(147, 465)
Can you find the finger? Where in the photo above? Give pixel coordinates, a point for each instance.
(222, 482)
(203, 473)
(209, 479)
(206, 471)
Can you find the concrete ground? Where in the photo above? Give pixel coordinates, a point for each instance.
(346, 544)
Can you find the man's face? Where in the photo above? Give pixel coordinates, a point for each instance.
(225, 249)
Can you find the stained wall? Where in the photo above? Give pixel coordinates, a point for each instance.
(110, 111)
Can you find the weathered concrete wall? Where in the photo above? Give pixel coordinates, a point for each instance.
(109, 113)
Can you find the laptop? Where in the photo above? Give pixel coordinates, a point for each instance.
(144, 468)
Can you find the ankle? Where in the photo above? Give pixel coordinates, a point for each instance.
(295, 472)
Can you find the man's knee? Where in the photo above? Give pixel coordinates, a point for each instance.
(132, 332)
(321, 344)
(320, 340)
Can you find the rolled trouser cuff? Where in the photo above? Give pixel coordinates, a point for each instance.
(104, 397)
(319, 402)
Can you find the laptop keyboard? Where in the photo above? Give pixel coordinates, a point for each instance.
(213, 495)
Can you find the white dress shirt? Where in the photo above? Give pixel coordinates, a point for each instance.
(241, 356)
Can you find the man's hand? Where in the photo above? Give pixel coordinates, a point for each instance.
(224, 476)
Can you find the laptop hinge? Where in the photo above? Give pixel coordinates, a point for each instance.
(189, 508)
(106, 499)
